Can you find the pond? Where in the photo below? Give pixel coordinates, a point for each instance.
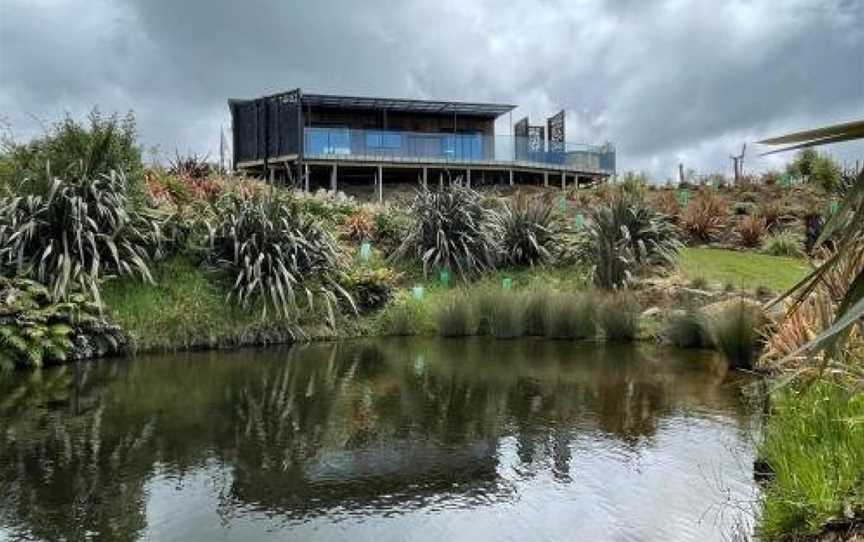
(414, 439)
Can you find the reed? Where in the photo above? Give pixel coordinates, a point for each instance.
(619, 317)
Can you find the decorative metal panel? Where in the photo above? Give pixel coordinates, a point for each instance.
(536, 137)
(555, 124)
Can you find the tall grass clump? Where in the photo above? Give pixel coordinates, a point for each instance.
(75, 233)
(455, 316)
(813, 445)
(784, 244)
(688, 330)
(452, 230)
(536, 302)
(569, 316)
(278, 257)
(507, 315)
(625, 236)
(529, 229)
(404, 319)
(735, 331)
(619, 317)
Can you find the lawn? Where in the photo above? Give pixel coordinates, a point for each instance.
(745, 270)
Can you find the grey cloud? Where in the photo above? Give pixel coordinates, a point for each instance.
(665, 81)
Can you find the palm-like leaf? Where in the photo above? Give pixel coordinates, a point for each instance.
(848, 224)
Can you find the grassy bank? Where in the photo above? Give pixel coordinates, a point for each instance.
(185, 309)
(813, 447)
(744, 270)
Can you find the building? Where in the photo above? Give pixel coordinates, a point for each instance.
(360, 143)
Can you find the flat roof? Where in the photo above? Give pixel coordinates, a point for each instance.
(402, 104)
(407, 105)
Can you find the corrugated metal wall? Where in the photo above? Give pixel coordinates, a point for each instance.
(268, 126)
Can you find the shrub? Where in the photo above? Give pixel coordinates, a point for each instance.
(619, 317)
(688, 330)
(191, 167)
(784, 244)
(750, 230)
(625, 236)
(699, 283)
(73, 150)
(77, 233)
(271, 250)
(569, 316)
(771, 212)
(668, 204)
(452, 230)
(389, 227)
(528, 228)
(704, 216)
(36, 331)
(735, 330)
(370, 288)
(358, 226)
(455, 317)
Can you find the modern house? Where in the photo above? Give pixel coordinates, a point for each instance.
(335, 142)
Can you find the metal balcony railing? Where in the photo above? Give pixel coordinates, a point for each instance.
(403, 146)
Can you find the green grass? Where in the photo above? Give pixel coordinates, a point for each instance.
(743, 269)
(186, 308)
(814, 446)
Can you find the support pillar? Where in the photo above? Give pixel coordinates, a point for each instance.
(563, 180)
(511, 177)
(306, 178)
(333, 185)
(468, 177)
(545, 178)
(380, 184)
(441, 180)
(425, 178)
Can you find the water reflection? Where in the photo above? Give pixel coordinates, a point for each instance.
(376, 439)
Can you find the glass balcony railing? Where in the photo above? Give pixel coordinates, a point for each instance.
(391, 145)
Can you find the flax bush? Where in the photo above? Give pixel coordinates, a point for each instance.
(76, 233)
(279, 257)
(452, 230)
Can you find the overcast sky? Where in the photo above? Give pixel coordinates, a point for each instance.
(665, 81)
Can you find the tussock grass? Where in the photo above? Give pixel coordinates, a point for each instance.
(455, 316)
(569, 316)
(507, 316)
(813, 445)
(619, 317)
(735, 332)
(536, 302)
(688, 330)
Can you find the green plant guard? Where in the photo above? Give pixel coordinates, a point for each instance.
(579, 221)
(444, 277)
(417, 293)
(507, 283)
(365, 251)
(683, 197)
